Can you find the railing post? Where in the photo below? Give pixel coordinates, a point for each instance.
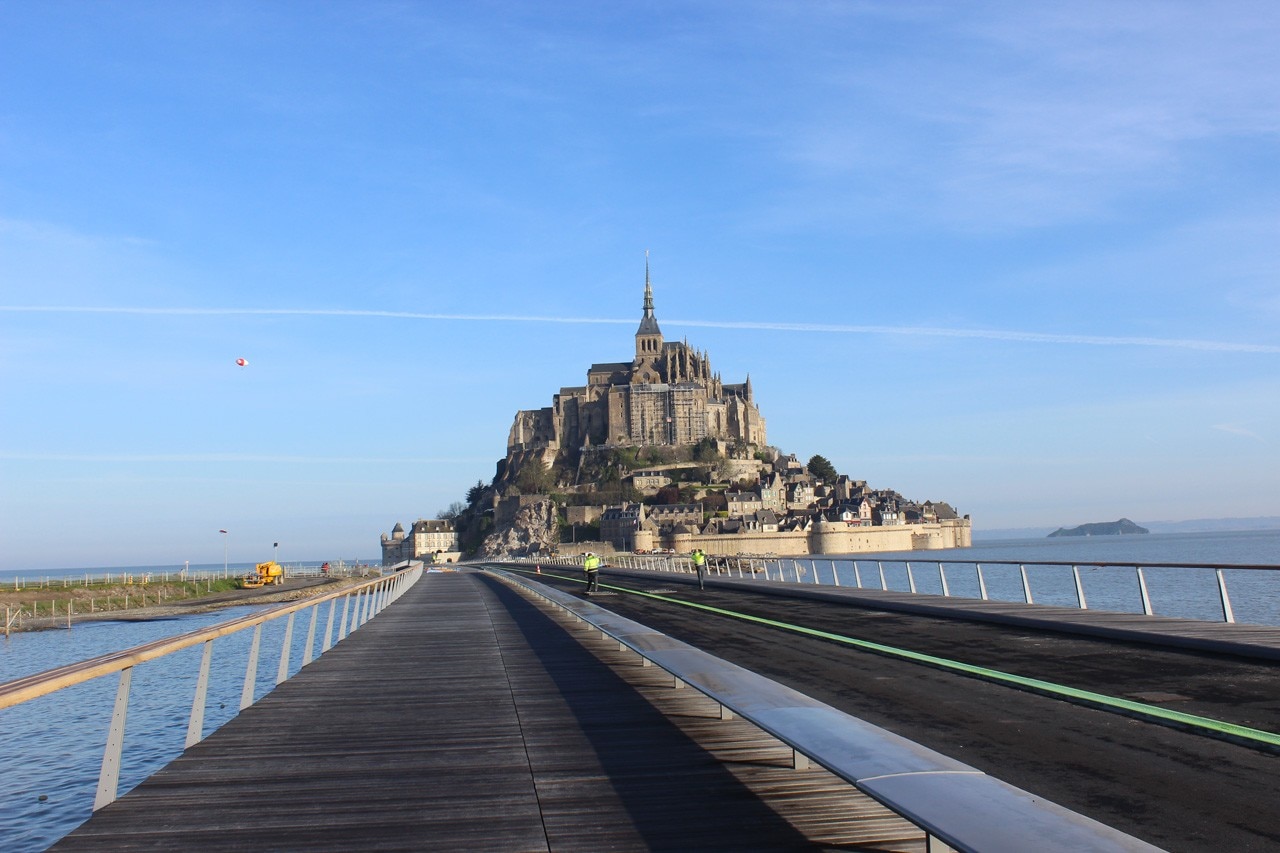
(311, 634)
(251, 669)
(282, 672)
(982, 583)
(109, 776)
(195, 725)
(1075, 572)
(911, 579)
(835, 573)
(1026, 584)
(342, 623)
(884, 584)
(328, 626)
(1227, 614)
(942, 576)
(1142, 587)
(857, 574)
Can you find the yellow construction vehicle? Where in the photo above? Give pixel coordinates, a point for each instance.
(263, 574)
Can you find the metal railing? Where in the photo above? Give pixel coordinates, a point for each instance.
(360, 603)
(829, 571)
(957, 806)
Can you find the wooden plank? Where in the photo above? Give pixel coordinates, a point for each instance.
(464, 717)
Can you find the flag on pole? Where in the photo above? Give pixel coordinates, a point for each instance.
(222, 531)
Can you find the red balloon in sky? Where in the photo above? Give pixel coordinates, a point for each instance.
(242, 362)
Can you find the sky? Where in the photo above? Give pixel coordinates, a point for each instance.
(1021, 257)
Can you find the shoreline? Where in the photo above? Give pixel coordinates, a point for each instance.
(297, 591)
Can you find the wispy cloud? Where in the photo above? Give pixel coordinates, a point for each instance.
(905, 331)
(1234, 429)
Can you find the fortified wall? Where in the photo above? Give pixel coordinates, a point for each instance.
(826, 538)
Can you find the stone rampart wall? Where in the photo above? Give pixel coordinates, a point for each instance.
(831, 539)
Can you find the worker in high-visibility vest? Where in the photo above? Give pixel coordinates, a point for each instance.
(591, 568)
(700, 564)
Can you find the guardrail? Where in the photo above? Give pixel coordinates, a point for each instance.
(955, 804)
(360, 603)
(829, 571)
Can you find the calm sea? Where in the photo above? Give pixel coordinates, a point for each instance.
(53, 745)
(1173, 590)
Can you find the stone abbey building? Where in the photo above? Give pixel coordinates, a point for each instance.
(666, 395)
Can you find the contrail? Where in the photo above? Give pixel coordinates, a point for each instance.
(751, 325)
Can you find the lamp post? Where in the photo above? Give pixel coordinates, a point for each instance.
(276, 557)
(225, 539)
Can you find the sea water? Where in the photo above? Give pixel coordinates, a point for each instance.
(53, 745)
(1174, 586)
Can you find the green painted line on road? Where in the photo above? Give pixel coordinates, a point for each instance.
(1101, 700)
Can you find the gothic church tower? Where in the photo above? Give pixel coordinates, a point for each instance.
(648, 336)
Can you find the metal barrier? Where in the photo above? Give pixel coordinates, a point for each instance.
(956, 805)
(812, 571)
(360, 603)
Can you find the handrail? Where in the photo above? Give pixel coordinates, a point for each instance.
(953, 802)
(370, 596)
(50, 681)
(806, 570)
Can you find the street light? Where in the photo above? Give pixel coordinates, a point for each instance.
(276, 558)
(225, 539)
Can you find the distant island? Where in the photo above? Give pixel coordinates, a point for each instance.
(1193, 525)
(1101, 528)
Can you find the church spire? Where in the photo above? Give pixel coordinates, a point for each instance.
(648, 288)
(648, 336)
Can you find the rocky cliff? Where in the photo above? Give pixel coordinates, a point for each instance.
(533, 531)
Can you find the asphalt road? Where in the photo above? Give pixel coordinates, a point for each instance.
(1176, 789)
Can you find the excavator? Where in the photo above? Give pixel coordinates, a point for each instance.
(269, 572)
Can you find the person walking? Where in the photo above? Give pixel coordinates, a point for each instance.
(700, 564)
(591, 568)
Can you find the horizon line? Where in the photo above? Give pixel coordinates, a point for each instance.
(1015, 336)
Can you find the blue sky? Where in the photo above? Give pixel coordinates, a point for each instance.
(1021, 257)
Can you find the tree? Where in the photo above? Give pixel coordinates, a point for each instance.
(475, 493)
(534, 478)
(706, 451)
(820, 468)
(713, 502)
(455, 509)
(669, 494)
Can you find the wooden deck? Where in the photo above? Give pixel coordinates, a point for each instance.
(467, 717)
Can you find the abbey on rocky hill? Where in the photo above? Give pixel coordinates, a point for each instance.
(666, 395)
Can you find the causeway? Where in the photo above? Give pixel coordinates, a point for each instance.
(467, 716)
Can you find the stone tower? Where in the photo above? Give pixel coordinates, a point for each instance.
(667, 394)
